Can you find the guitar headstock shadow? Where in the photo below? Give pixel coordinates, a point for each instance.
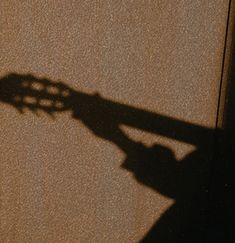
(26, 92)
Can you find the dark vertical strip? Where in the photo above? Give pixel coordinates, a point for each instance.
(222, 171)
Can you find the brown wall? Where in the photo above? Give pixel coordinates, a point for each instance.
(76, 177)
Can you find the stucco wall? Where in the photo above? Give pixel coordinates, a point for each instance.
(82, 175)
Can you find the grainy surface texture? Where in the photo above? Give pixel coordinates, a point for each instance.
(89, 174)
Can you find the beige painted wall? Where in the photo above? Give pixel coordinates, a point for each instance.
(60, 182)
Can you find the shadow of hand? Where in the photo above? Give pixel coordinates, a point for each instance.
(154, 166)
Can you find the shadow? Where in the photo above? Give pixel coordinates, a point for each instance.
(185, 181)
(222, 195)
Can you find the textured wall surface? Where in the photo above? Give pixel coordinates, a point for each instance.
(73, 177)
